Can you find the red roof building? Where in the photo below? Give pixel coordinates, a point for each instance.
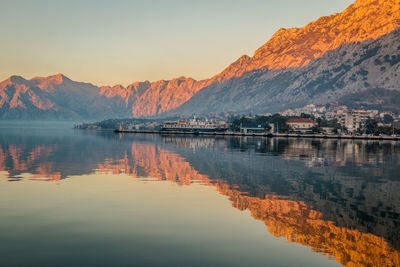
(301, 124)
(301, 120)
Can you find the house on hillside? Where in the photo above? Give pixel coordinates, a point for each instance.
(303, 125)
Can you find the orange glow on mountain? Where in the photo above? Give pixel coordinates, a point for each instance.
(287, 48)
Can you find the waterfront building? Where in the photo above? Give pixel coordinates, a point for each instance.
(354, 119)
(303, 125)
(252, 128)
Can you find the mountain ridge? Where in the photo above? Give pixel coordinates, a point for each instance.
(352, 68)
(287, 49)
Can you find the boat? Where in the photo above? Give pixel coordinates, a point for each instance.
(195, 126)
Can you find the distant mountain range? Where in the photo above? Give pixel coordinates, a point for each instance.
(352, 57)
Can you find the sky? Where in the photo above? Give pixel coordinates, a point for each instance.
(108, 42)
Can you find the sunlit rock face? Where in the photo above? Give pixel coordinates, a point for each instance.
(296, 47)
(55, 97)
(288, 48)
(365, 19)
(146, 98)
(361, 74)
(292, 67)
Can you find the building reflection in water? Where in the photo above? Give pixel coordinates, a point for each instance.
(338, 197)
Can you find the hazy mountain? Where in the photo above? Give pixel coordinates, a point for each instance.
(55, 97)
(333, 58)
(151, 98)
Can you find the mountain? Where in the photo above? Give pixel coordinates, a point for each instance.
(327, 60)
(363, 20)
(146, 98)
(334, 58)
(288, 48)
(55, 97)
(58, 97)
(369, 70)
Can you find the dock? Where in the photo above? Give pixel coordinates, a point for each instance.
(228, 133)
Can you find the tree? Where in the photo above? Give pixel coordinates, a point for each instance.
(387, 118)
(267, 127)
(304, 115)
(316, 129)
(371, 126)
(280, 122)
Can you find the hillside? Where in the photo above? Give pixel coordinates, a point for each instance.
(288, 48)
(370, 68)
(333, 58)
(55, 97)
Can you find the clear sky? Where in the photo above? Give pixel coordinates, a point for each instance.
(107, 42)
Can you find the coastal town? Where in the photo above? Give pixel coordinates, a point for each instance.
(311, 120)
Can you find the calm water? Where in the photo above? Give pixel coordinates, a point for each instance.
(75, 198)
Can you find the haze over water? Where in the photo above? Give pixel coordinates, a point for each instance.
(81, 198)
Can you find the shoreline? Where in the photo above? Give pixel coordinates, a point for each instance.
(323, 136)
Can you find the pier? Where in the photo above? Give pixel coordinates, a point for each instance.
(228, 133)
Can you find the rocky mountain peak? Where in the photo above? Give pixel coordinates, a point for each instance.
(14, 79)
(53, 79)
(59, 78)
(278, 62)
(296, 47)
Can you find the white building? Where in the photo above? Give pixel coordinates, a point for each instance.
(354, 119)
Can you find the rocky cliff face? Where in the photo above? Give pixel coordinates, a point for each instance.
(328, 60)
(293, 67)
(352, 69)
(296, 47)
(363, 20)
(146, 98)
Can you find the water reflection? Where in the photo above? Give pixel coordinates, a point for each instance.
(338, 197)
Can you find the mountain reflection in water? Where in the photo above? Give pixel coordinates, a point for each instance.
(340, 198)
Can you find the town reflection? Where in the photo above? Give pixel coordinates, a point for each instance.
(338, 197)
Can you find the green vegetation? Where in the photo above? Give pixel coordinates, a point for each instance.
(392, 60)
(373, 98)
(276, 119)
(280, 122)
(387, 118)
(371, 127)
(377, 61)
(367, 54)
(363, 72)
